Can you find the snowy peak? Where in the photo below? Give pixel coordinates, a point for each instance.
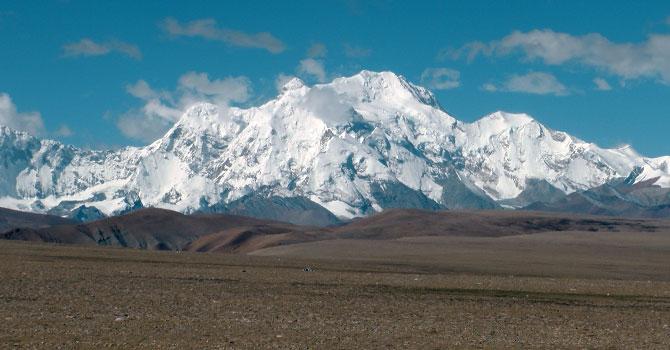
(385, 86)
(201, 116)
(354, 146)
(499, 121)
(201, 124)
(502, 123)
(293, 84)
(9, 136)
(504, 151)
(655, 169)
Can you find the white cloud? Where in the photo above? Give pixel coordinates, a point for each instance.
(317, 50)
(490, 87)
(30, 122)
(627, 60)
(602, 84)
(314, 68)
(63, 131)
(142, 90)
(137, 125)
(157, 104)
(326, 104)
(88, 47)
(441, 78)
(161, 109)
(198, 87)
(538, 83)
(207, 29)
(470, 50)
(356, 51)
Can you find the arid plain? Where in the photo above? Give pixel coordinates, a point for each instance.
(558, 289)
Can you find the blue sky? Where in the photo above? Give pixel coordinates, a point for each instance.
(98, 74)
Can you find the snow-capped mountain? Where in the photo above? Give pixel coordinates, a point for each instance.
(354, 146)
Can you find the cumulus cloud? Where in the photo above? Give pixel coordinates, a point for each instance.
(538, 83)
(356, 51)
(197, 87)
(30, 122)
(161, 109)
(208, 29)
(325, 103)
(63, 131)
(88, 47)
(602, 84)
(627, 60)
(317, 50)
(141, 89)
(490, 87)
(314, 68)
(441, 78)
(137, 125)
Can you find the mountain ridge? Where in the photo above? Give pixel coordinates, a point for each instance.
(355, 146)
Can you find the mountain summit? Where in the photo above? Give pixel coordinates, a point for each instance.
(348, 148)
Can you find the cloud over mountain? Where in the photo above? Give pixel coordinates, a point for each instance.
(25, 121)
(162, 108)
(313, 68)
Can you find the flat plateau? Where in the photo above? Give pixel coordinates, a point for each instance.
(548, 290)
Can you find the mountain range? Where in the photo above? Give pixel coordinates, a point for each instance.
(317, 155)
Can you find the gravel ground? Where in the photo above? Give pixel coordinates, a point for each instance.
(58, 297)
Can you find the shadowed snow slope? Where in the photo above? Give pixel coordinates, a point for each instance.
(354, 146)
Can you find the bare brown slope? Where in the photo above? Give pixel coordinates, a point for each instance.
(10, 219)
(146, 228)
(167, 230)
(498, 242)
(403, 223)
(393, 224)
(246, 239)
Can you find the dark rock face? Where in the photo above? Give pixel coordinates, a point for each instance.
(396, 195)
(77, 211)
(86, 214)
(536, 191)
(616, 198)
(457, 195)
(295, 210)
(12, 219)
